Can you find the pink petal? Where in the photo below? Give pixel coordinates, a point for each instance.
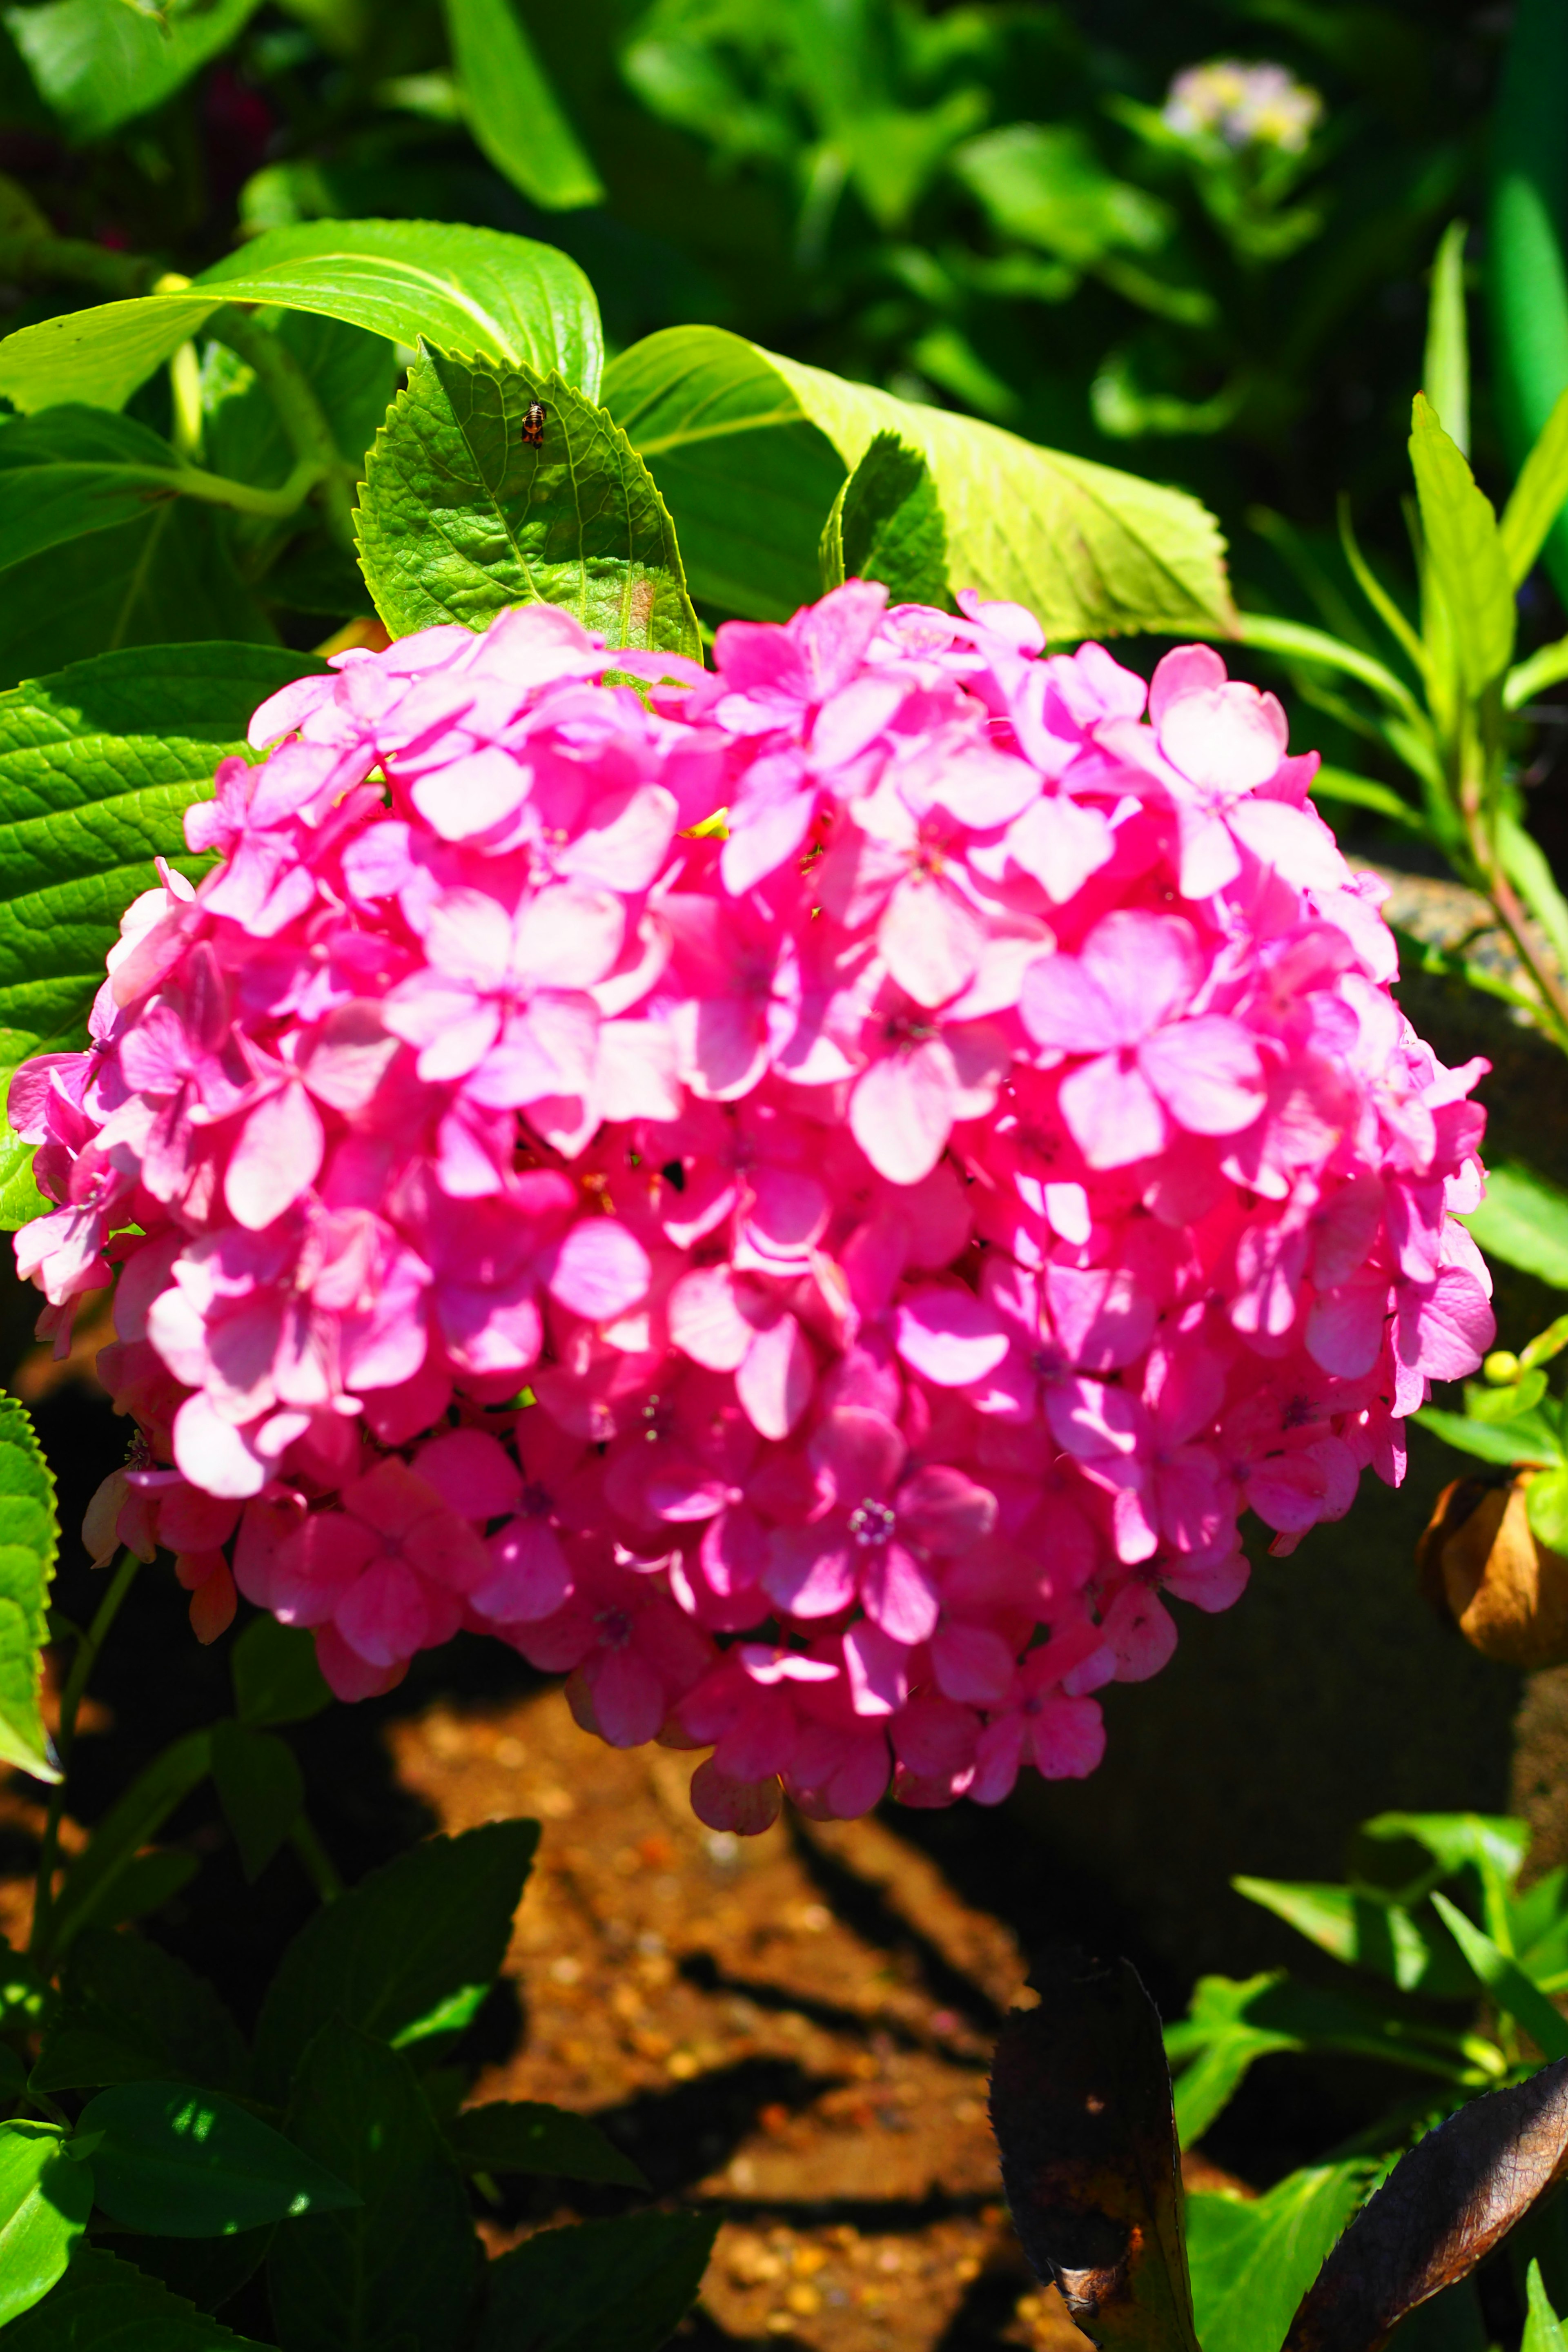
(473, 1475)
(944, 1511)
(628, 1698)
(898, 1593)
(876, 1666)
(383, 1615)
(901, 1111)
(1112, 1112)
(1208, 1072)
(599, 1270)
(529, 1577)
(775, 1381)
(278, 1156)
(950, 1335)
(930, 942)
(708, 1321)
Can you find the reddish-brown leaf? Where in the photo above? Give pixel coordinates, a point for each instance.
(1080, 2102)
(1441, 2210)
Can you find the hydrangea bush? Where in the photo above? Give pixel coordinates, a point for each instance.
(809, 1196)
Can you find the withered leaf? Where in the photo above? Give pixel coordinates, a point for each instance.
(1080, 2104)
(1441, 2210)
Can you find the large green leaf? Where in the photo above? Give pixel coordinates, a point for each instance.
(1524, 1220)
(887, 524)
(1253, 2258)
(352, 373)
(400, 1942)
(130, 2012)
(513, 113)
(460, 517)
(104, 2304)
(750, 450)
(28, 1536)
(523, 2136)
(402, 2267)
(606, 2286)
(44, 2200)
(97, 765)
(73, 470)
(1523, 1437)
(504, 296)
(1464, 552)
(100, 63)
(185, 2163)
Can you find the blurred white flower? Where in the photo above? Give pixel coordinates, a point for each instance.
(1261, 105)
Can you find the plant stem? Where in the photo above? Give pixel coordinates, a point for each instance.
(320, 1867)
(300, 412)
(1512, 916)
(245, 497)
(30, 260)
(86, 1658)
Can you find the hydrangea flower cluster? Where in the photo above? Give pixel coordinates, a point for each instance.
(822, 1280)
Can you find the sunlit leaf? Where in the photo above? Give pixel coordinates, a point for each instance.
(100, 63)
(514, 114)
(1254, 2258)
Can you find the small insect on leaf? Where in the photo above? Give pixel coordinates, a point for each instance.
(533, 425)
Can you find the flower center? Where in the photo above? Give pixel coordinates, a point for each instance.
(536, 1503)
(615, 1627)
(871, 1523)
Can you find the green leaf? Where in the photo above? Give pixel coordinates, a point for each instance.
(887, 524)
(73, 471)
(1253, 2258)
(97, 765)
(1332, 783)
(515, 116)
(400, 2269)
(414, 1932)
(100, 63)
(604, 2287)
(1493, 1844)
(28, 1536)
(1506, 1403)
(1526, 866)
(44, 2200)
(1546, 667)
(1363, 1932)
(451, 2016)
(522, 2135)
(353, 374)
(185, 2163)
(460, 518)
(92, 1883)
(1546, 1505)
(1464, 553)
(276, 1677)
(146, 1884)
(1542, 2328)
(104, 2304)
(1506, 1981)
(504, 296)
(128, 2005)
(1297, 641)
(1523, 1220)
(1538, 495)
(750, 450)
(261, 1789)
(1526, 1438)
(1046, 186)
(1445, 373)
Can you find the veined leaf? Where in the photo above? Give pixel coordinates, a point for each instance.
(504, 296)
(100, 63)
(1523, 1220)
(74, 470)
(45, 2199)
(1539, 495)
(28, 1537)
(750, 450)
(627, 2282)
(1253, 2258)
(104, 2304)
(130, 2012)
(515, 116)
(887, 524)
(260, 1788)
(1464, 552)
(186, 2163)
(1526, 1438)
(460, 517)
(437, 1920)
(352, 373)
(97, 765)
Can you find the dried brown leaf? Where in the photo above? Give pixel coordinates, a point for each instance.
(1080, 2102)
(1441, 2210)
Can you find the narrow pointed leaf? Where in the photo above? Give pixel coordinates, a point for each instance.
(92, 1888)
(1080, 2102)
(1465, 552)
(1446, 374)
(516, 118)
(1506, 1981)
(128, 2006)
(1539, 495)
(1443, 2208)
(1524, 1438)
(276, 1677)
(261, 1789)
(460, 517)
(522, 2135)
(1542, 2328)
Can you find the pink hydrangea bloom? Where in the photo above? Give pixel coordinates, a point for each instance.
(824, 1288)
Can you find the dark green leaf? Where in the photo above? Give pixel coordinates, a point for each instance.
(460, 518)
(92, 1885)
(207, 2272)
(1442, 2209)
(100, 63)
(1080, 2103)
(1464, 553)
(1506, 1981)
(604, 2286)
(750, 450)
(185, 2163)
(1524, 1220)
(384, 1954)
(28, 1535)
(44, 2200)
(1254, 2258)
(515, 116)
(128, 2005)
(504, 296)
(1363, 1932)
(887, 524)
(519, 2136)
(402, 2267)
(276, 1677)
(1525, 1438)
(104, 2304)
(97, 765)
(146, 1884)
(74, 470)
(260, 1788)
(353, 374)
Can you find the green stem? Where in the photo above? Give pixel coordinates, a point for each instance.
(300, 412)
(245, 498)
(320, 1867)
(86, 1658)
(68, 260)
